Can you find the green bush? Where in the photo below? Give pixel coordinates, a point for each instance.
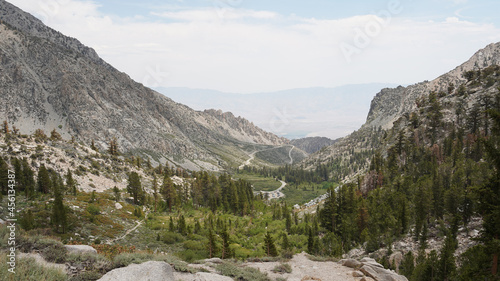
(282, 268)
(191, 255)
(55, 253)
(194, 245)
(241, 273)
(172, 238)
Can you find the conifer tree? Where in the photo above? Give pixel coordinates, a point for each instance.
(134, 187)
(168, 191)
(70, 183)
(285, 245)
(29, 180)
(489, 195)
(116, 192)
(43, 182)
(212, 244)
(226, 251)
(59, 214)
(4, 168)
(269, 247)
(155, 190)
(181, 225)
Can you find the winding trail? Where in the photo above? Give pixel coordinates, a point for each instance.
(275, 194)
(138, 223)
(290, 155)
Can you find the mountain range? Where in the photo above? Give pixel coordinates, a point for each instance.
(295, 113)
(50, 81)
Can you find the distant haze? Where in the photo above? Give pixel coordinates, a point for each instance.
(296, 113)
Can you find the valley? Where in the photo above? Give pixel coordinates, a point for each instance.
(94, 161)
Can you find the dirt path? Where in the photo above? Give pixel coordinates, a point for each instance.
(275, 194)
(138, 223)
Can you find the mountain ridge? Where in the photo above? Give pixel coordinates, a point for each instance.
(55, 82)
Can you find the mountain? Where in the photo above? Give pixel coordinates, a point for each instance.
(394, 107)
(312, 144)
(50, 81)
(295, 113)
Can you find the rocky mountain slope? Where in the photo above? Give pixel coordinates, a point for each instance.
(393, 104)
(50, 81)
(312, 144)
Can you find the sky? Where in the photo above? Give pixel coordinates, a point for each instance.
(249, 46)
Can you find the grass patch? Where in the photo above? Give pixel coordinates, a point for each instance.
(303, 193)
(260, 183)
(27, 269)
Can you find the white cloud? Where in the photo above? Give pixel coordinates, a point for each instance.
(251, 51)
(216, 14)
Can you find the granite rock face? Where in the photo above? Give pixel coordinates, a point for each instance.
(50, 81)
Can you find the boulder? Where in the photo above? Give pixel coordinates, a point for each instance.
(118, 206)
(357, 274)
(371, 262)
(381, 274)
(352, 263)
(148, 271)
(80, 249)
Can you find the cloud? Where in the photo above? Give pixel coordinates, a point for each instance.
(254, 51)
(215, 14)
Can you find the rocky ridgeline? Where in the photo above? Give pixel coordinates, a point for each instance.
(50, 81)
(390, 104)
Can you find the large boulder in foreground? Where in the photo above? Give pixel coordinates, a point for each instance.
(148, 271)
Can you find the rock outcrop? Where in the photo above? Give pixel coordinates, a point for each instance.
(80, 249)
(148, 271)
(368, 267)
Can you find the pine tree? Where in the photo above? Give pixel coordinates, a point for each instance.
(181, 225)
(171, 226)
(29, 180)
(288, 222)
(116, 192)
(226, 251)
(134, 187)
(59, 214)
(43, 183)
(113, 146)
(269, 247)
(4, 171)
(70, 183)
(212, 244)
(168, 191)
(155, 190)
(310, 242)
(285, 245)
(489, 195)
(407, 265)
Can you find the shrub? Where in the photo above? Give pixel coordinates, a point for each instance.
(241, 273)
(86, 276)
(282, 268)
(29, 269)
(171, 238)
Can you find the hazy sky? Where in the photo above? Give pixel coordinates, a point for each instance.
(266, 45)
